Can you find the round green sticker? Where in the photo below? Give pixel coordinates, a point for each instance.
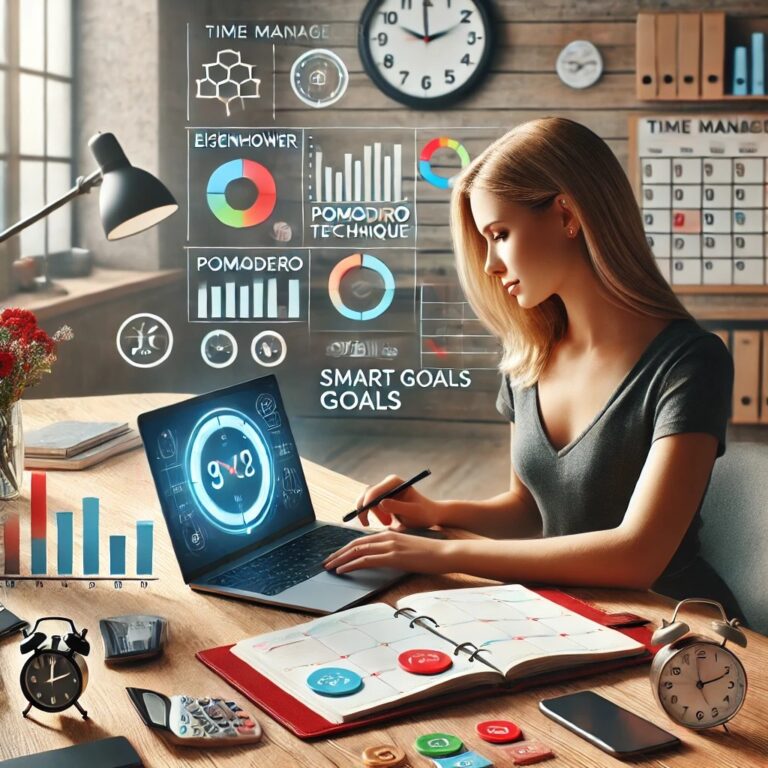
(439, 744)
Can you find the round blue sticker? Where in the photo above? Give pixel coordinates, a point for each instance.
(335, 681)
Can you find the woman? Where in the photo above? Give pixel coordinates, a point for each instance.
(617, 399)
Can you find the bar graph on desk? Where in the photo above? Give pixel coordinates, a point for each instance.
(67, 566)
(451, 336)
(374, 174)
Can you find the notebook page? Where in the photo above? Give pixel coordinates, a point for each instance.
(519, 628)
(366, 640)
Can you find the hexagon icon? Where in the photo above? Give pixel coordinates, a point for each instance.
(228, 78)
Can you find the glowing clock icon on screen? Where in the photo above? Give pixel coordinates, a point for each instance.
(230, 472)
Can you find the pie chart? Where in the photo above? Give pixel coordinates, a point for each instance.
(348, 265)
(231, 171)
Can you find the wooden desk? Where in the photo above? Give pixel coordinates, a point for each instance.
(200, 621)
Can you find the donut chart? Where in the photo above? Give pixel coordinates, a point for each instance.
(241, 169)
(429, 149)
(361, 261)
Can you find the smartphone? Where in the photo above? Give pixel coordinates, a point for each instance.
(612, 728)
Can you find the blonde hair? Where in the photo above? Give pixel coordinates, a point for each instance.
(529, 165)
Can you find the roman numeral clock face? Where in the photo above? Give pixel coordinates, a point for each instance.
(426, 53)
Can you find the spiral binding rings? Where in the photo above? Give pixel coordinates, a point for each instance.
(463, 646)
(423, 616)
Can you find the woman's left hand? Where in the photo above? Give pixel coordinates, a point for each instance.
(390, 549)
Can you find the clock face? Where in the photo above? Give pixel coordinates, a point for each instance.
(51, 681)
(702, 685)
(230, 472)
(219, 349)
(579, 64)
(426, 53)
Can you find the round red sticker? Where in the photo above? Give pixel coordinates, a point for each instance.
(423, 661)
(498, 731)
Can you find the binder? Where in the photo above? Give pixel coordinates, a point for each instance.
(739, 85)
(758, 65)
(645, 56)
(688, 55)
(746, 377)
(666, 55)
(712, 54)
(306, 723)
(764, 381)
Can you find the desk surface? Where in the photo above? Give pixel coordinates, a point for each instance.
(201, 621)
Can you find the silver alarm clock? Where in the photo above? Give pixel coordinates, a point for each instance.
(697, 681)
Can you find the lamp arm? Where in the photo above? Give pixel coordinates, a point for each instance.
(83, 185)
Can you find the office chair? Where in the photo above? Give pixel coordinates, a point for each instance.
(734, 533)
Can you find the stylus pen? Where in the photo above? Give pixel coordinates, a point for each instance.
(407, 484)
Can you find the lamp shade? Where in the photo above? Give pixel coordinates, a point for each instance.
(131, 200)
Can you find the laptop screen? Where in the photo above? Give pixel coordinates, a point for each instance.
(227, 473)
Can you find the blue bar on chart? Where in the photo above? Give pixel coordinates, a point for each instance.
(117, 555)
(90, 535)
(64, 525)
(144, 536)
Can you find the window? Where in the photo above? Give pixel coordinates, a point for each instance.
(36, 163)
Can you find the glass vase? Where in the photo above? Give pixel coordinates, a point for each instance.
(11, 451)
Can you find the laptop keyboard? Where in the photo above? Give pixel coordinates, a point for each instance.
(289, 564)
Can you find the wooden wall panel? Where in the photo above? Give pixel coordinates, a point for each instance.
(522, 85)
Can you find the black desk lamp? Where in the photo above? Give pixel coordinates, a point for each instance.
(131, 200)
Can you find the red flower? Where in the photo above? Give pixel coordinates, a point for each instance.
(44, 340)
(7, 361)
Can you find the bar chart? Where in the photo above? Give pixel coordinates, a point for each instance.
(66, 566)
(261, 298)
(373, 175)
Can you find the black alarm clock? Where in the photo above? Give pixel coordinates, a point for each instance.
(56, 675)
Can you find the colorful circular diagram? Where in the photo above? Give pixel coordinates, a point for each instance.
(230, 171)
(429, 149)
(361, 261)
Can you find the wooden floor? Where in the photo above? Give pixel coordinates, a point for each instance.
(468, 460)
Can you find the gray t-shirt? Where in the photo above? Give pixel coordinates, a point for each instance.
(683, 382)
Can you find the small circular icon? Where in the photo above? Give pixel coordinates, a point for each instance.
(319, 78)
(422, 661)
(144, 340)
(335, 681)
(498, 731)
(383, 756)
(234, 171)
(268, 348)
(219, 348)
(439, 744)
(425, 165)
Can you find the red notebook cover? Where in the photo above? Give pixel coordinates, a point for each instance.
(307, 724)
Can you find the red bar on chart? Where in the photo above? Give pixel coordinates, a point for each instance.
(11, 544)
(39, 523)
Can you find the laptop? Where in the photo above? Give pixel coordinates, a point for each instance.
(237, 506)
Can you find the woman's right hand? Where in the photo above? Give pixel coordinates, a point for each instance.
(408, 509)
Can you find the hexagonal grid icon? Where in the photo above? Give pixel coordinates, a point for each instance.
(228, 78)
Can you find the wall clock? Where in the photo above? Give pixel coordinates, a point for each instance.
(579, 64)
(230, 472)
(426, 53)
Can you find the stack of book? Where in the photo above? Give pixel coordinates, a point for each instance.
(77, 444)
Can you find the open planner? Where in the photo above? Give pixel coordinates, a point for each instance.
(494, 635)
